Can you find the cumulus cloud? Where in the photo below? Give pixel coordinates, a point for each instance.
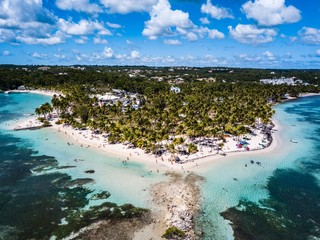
(172, 42)
(50, 39)
(250, 34)
(114, 25)
(84, 27)
(269, 55)
(310, 35)
(82, 40)
(271, 12)
(215, 11)
(98, 40)
(107, 52)
(60, 55)
(210, 33)
(27, 22)
(39, 55)
(24, 14)
(191, 36)
(214, 33)
(164, 20)
(6, 53)
(135, 54)
(204, 20)
(79, 6)
(127, 6)
(7, 35)
(248, 58)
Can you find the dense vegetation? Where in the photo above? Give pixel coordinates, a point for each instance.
(164, 119)
(12, 76)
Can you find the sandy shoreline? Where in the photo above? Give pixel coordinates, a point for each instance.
(86, 139)
(204, 156)
(177, 191)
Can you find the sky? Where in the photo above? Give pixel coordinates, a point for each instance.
(230, 33)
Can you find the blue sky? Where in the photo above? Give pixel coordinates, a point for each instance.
(238, 33)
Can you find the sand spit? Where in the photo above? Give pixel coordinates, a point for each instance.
(175, 204)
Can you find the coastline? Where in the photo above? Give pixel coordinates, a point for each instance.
(97, 142)
(86, 138)
(193, 162)
(160, 209)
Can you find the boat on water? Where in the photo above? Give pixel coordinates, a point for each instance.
(293, 141)
(7, 92)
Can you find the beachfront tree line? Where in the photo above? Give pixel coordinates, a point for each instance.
(165, 119)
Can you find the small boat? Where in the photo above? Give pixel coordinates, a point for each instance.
(293, 141)
(7, 92)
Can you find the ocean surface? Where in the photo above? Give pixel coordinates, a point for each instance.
(278, 198)
(44, 190)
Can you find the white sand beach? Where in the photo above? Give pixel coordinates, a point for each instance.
(205, 155)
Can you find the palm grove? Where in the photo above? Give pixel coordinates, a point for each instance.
(165, 120)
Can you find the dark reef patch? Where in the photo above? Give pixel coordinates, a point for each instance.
(291, 212)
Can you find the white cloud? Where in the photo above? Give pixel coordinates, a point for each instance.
(84, 27)
(114, 25)
(98, 40)
(82, 40)
(204, 20)
(7, 35)
(318, 52)
(24, 14)
(250, 34)
(172, 42)
(78, 5)
(310, 35)
(107, 53)
(191, 36)
(211, 33)
(6, 53)
(135, 54)
(214, 33)
(27, 22)
(129, 42)
(215, 11)
(127, 6)
(164, 21)
(271, 12)
(59, 55)
(57, 38)
(39, 55)
(248, 58)
(268, 55)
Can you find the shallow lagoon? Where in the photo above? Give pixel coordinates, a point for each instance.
(238, 191)
(44, 187)
(244, 193)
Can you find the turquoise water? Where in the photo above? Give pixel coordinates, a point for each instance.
(44, 192)
(279, 199)
(41, 184)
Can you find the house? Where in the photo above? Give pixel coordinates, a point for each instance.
(175, 89)
(21, 88)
